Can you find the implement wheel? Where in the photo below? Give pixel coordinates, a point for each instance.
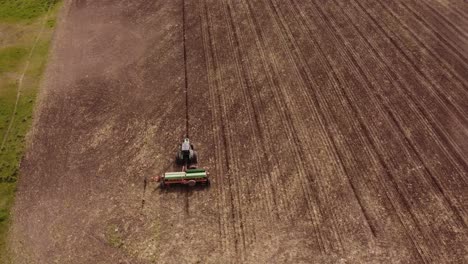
(191, 183)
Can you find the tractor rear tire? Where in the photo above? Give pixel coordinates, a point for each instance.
(194, 158)
(178, 160)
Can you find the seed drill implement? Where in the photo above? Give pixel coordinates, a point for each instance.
(189, 175)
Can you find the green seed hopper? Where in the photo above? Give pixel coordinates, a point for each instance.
(189, 177)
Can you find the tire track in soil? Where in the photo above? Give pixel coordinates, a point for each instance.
(429, 83)
(410, 58)
(456, 157)
(462, 174)
(219, 154)
(326, 100)
(222, 142)
(187, 123)
(261, 144)
(436, 140)
(336, 98)
(205, 210)
(330, 144)
(308, 79)
(279, 94)
(253, 118)
(280, 105)
(452, 8)
(292, 136)
(426, 34)
(267, 128)
(314, 16)
(440, 14)
(259, 96)
(442, 19)
(296, 11)
(229, 98)
(211, 78)
(430, 119)
(457, 47)
(305, 74)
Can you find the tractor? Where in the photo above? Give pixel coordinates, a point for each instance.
(186, 156)
(190, 174)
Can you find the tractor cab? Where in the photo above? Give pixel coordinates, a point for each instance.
(186, 155)
(186, 146)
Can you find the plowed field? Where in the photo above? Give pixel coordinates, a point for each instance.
(334, 131)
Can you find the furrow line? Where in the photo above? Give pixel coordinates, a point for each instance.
(331, 105)
(238, 74)
(342, 10)
(367, 138)
(369, 84)
(439, 15)
(241, 82)
(231, 162)
(265, 147)
(259, 147)
(399, 15)
(449, 5)
(308, 79)
(302, 128)
(314, 212)
(428, 127)
(213, 84)
(458, 152)
(460, 82)
(455, 46)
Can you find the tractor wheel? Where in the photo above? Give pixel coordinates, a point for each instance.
(194, 158)
(178, 159)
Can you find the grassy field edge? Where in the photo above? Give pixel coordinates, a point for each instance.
(29, 27)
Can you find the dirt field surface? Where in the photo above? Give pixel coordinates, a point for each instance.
(334, 132)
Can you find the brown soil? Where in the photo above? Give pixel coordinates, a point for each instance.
(333, 132)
